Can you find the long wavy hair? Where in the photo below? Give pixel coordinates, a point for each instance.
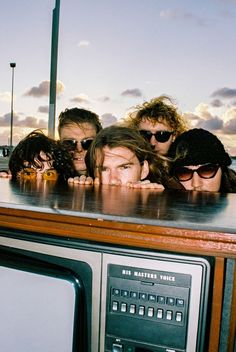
(29, 149)
(120, 136)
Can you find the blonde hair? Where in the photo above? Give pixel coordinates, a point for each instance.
(159, 109)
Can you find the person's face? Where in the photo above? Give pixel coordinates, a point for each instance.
(120, 166)
(85, 133)
(153, 127)
(44, 171)
(198, 183)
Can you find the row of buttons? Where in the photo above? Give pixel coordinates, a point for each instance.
(179, 302)
(146, 311)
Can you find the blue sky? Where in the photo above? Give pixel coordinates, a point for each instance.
(116, 54)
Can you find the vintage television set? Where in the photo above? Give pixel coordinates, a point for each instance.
(68, 295)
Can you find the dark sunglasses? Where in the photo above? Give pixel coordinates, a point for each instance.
(205, 171)
(71, 144)
(161, 136)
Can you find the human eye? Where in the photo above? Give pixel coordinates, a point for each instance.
(125, 167)
(28, 174)
(102, 168)
(50, 175)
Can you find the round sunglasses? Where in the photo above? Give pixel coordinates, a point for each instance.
(160, 136)
(206, 171)
(28, 173)
(71, 144)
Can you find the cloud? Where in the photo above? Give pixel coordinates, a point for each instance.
(5, 119)
(230, 114)
(202, 118)
(189, 116)
(84, 43)
(230, 126)
(132, 93)
(5, 96)
(29, 121)
(108, 119)
(44, 109)
(178, 14)
(202, 110)
(43, 89)
(4, 137)
(216, 103)
(212, 124)
(104, 99)
(224, 93)
(81, 98)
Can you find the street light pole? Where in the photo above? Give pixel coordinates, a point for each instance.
(12, 65)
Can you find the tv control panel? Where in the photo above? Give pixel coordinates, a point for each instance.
(154, 305)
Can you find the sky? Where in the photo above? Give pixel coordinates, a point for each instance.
(114, 55)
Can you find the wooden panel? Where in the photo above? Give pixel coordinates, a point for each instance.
(216, 308)
(137, 235)
(232, 332)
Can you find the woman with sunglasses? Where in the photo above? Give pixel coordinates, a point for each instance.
(77, 128)
(158, 122)
(38, 157)
(200, 162)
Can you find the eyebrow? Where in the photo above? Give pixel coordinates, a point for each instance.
(120, 165)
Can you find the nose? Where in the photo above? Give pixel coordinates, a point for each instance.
(79, 148)
(196, 181)
(153, 140)
(113, 178)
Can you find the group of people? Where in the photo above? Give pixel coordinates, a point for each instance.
(151, 148)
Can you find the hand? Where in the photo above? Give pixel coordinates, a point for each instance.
(81, 180)
(5, 174)
(145, 184)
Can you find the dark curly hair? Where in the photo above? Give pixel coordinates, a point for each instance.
(29, 148)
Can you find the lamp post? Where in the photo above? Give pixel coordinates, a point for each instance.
(12, 65)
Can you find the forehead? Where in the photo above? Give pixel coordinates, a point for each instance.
(148, 124)
(73, 130)
(118, 155)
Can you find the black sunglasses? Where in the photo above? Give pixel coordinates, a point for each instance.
(71, 144)
(161, 136)
(205, 171)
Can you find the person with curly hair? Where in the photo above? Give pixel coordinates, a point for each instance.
(77, 128)
(40, 157)
(158, 121)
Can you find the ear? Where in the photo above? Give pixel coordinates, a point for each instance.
(144, 170)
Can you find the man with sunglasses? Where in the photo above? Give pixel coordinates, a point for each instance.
(77, 128)
(158, 122)
(200, 162)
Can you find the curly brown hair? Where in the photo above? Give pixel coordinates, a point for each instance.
(159, 109)
(29, 148)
